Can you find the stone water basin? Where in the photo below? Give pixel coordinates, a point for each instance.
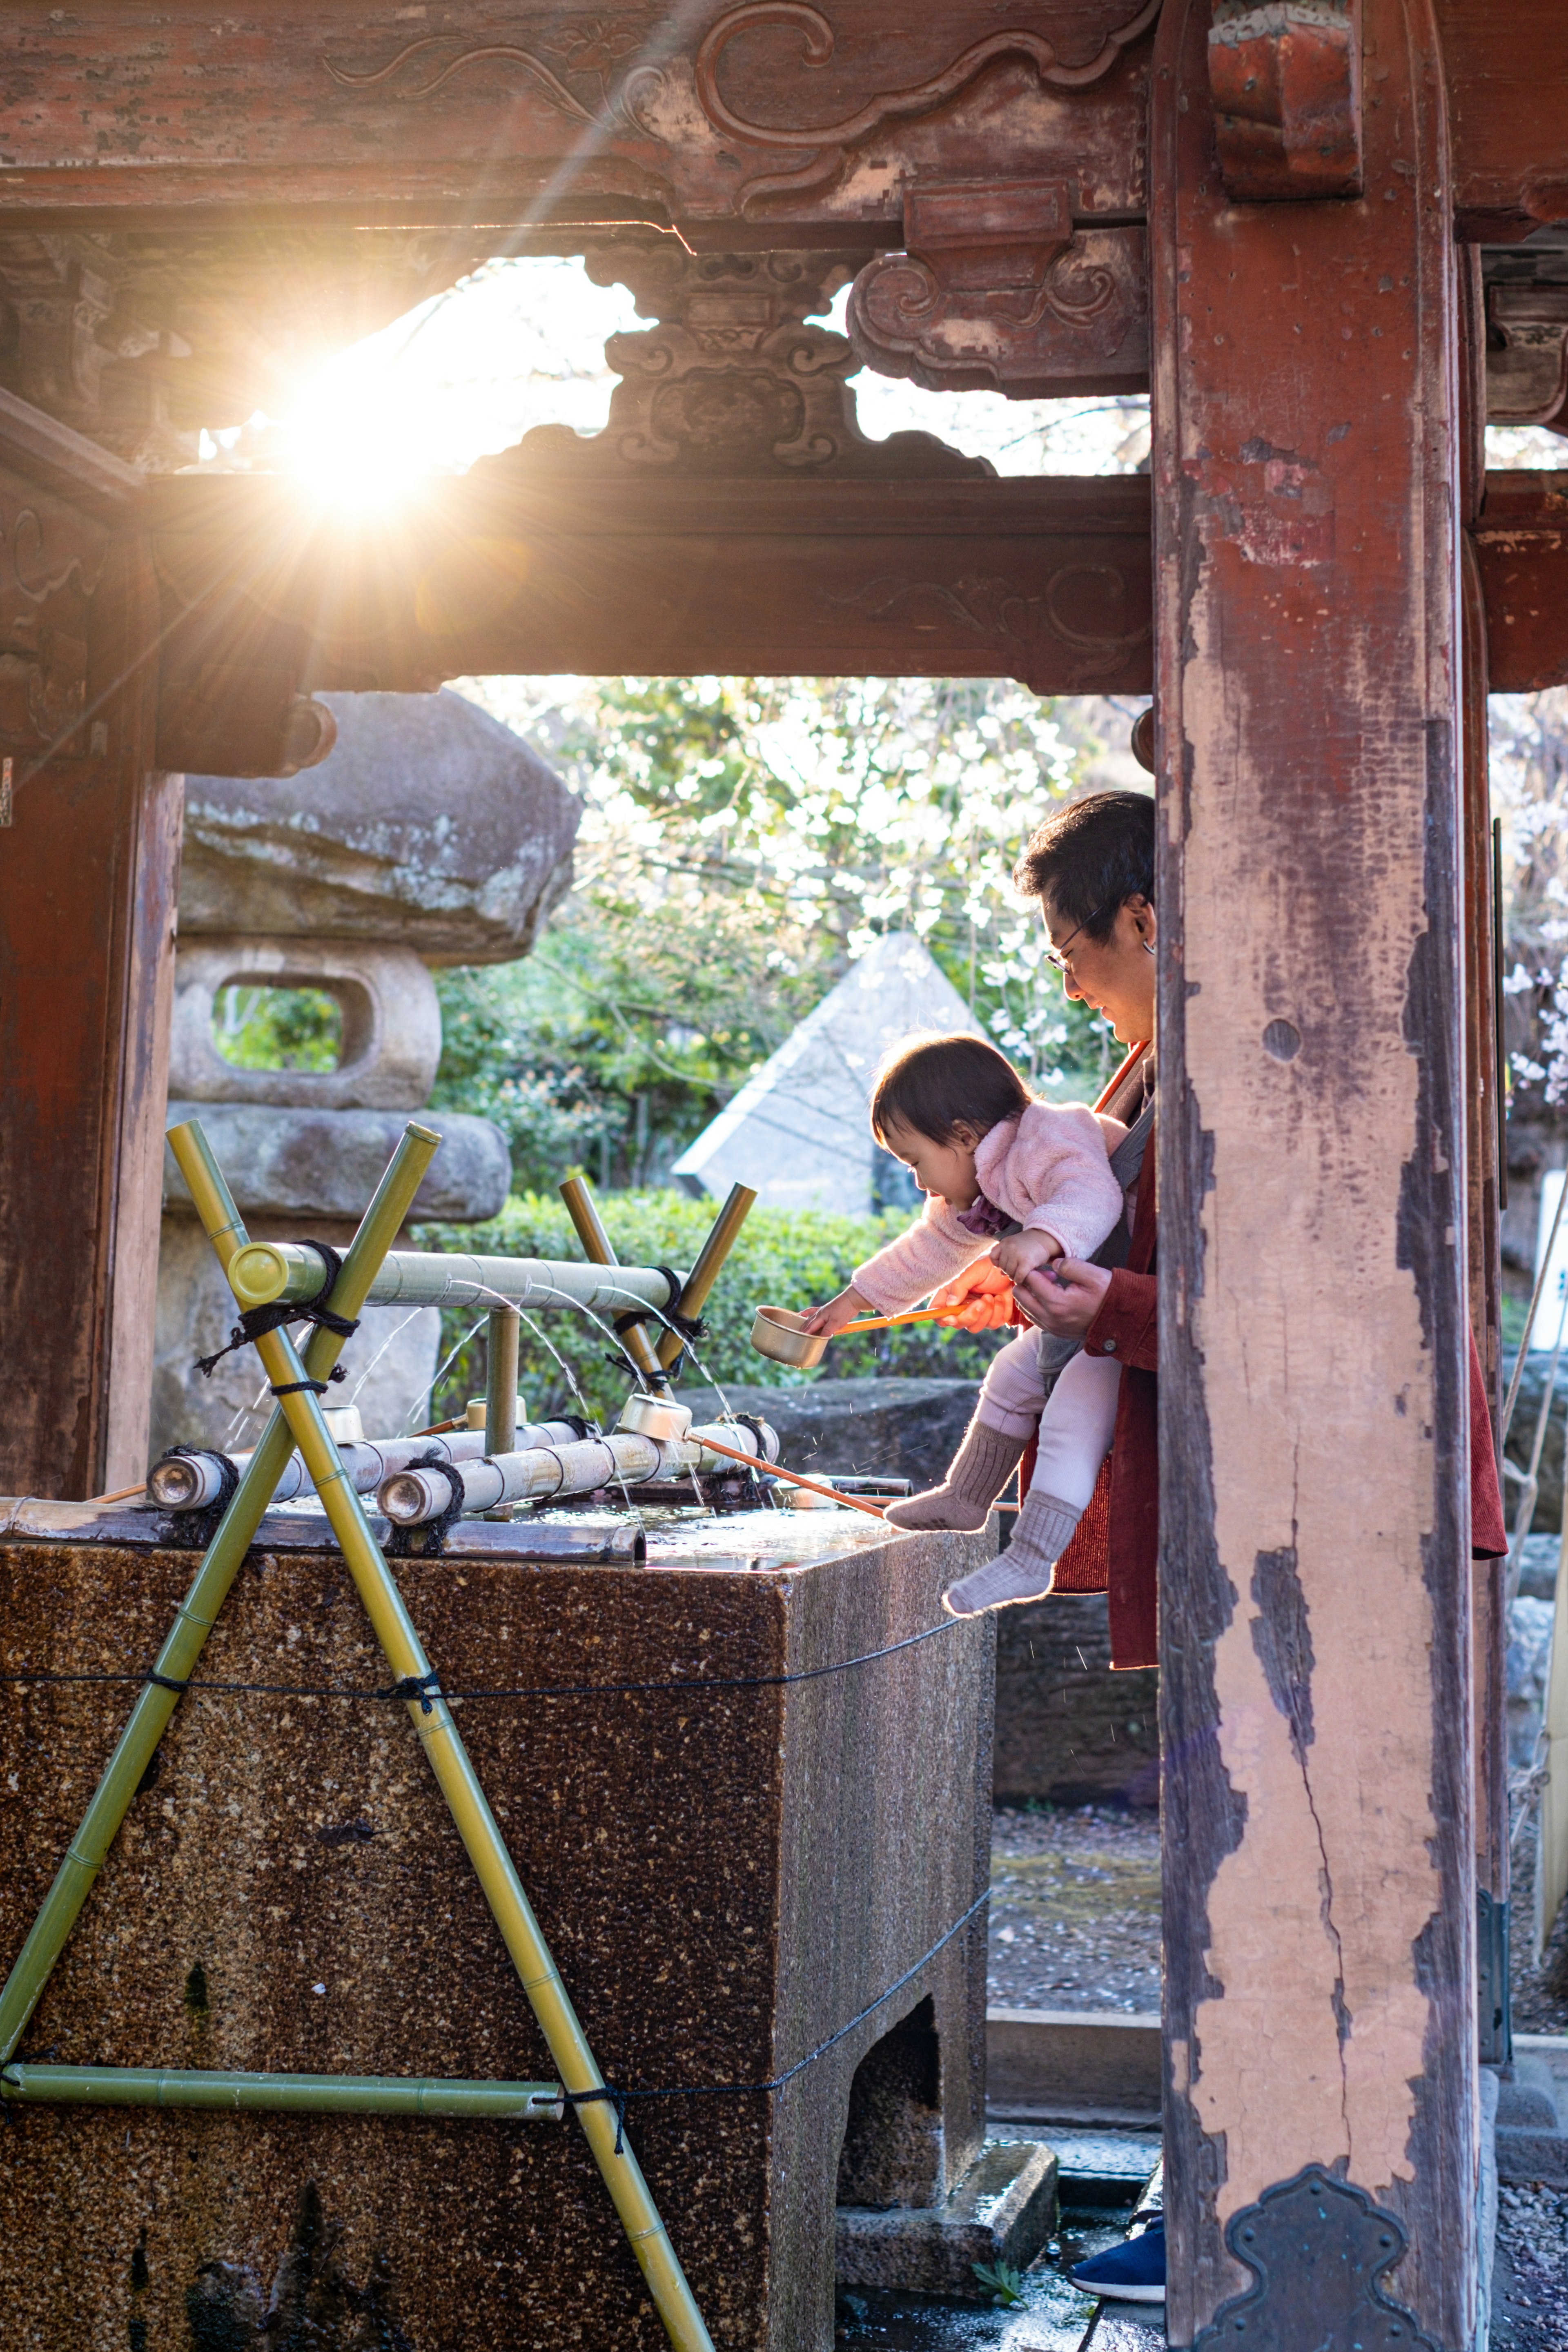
(726, 1877)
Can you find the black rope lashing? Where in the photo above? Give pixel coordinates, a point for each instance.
(530, 1690)
(688, 1329)
(400, 1544)
(255, 1322)
(425, 1688)
(194, 1530)
(615, 2096)
(303, 1388)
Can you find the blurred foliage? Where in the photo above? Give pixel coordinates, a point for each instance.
(783, 1257)
(278, 1028)
(743, 841)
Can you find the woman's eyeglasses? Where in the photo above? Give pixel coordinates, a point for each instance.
(1062, 957)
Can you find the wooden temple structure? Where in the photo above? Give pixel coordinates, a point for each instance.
(1330, 236)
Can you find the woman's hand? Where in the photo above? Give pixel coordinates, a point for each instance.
(1065, 1300)
(1023, 1254)
(978, 1299)
(825, 1320)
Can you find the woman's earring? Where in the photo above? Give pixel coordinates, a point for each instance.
(1148, 947)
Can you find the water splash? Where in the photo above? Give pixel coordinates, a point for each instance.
(378, 1355)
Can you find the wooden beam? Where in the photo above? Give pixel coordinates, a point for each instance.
(1506, 72)
(1320, 1845)
(1485, 1179)
(758, 114)
(89, 864)
(751, 115)
(1522, 544)
(510, 570)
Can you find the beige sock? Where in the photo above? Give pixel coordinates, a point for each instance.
(1041, 1533)
(981, 1468)
(1042, 1530)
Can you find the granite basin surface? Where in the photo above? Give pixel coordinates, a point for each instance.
(726, 1876)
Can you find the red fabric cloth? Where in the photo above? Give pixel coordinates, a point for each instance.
(1116, 1547)
(1489, 1533)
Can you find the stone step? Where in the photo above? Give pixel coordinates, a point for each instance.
(1073, 2066)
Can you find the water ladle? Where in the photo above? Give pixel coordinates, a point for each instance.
(780, 1333)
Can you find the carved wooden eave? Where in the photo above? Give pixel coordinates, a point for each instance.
(999, 290)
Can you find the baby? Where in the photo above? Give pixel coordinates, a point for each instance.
(1023, 1183)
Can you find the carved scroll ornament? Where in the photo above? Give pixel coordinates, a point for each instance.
(50, 564)
(733, 380)
(1527, 374)
(1286, 79)
(610, 95)
(998, 292)
(1075, 612)
(760, 92)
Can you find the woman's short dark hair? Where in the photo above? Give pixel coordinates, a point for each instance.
(929, 1084)
(1090, 858)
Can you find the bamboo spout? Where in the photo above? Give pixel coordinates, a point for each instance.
(598, 1248)
(720, 1241)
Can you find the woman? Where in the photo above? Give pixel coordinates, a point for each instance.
(1092, 869)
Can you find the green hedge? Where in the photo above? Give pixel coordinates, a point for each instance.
(783, 1257)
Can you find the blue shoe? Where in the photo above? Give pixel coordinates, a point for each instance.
(1134, 2271)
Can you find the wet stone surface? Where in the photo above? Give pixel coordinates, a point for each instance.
(1075, 1911)
(1050, 2316)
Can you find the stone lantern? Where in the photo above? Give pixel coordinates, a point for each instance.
(431, 834)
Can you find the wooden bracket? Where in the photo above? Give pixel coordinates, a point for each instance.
(1286, 79)
(1527, 372)
(1317, 2248)
(997, 291)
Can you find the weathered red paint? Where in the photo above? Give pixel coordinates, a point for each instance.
(1315, 1573)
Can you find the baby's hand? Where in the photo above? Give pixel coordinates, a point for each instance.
(1024, 1253)
(826, 1321)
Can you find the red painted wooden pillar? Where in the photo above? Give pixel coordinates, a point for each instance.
(1315, 1573)
(88, 875)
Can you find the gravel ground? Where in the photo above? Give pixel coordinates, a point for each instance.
(1529, 2288)
(1539, 1995)
(1075, 1910)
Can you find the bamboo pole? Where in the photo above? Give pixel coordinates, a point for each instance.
(720, 1241)
(199, 1610)
(270, 1271)
(598, 1249)
(317, 2095)
(459, 1784)
(503, 1334)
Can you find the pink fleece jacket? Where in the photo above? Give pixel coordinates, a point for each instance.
(1046, 1171)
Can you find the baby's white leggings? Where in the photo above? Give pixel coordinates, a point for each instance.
(1074, 1423)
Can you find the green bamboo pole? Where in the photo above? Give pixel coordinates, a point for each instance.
(720, 1241)
(459, 1784)
(598, 1248)
(311, 2094)
(200, 1609)
(268, 1271)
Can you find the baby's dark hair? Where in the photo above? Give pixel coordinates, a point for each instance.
(929, 1084)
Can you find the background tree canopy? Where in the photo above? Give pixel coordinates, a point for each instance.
(743, 839)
